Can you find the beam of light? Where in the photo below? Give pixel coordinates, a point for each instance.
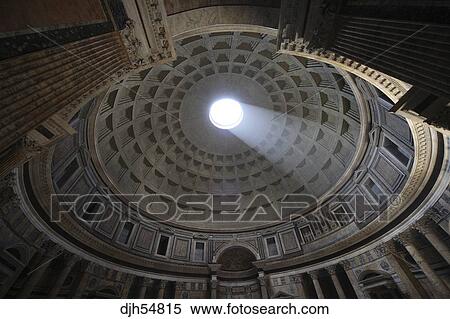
(261, 129)
(258, 124)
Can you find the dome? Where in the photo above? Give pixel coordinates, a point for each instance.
(298, 135)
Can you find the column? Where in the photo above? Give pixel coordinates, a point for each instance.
(32, 281)
(179, 288)
(332, 272)
(82, 282)
(127, 286)
(298, 282)
(142, 290)
(406, 239)
(213, 268)
(162, 289)
(315, 278)
(10, 281)
(228, 293)
(414, 288)
(50, 251)
(353, 279)
(62, 276)
(426, 227)
(262, 284)
(214, 284)
(12, 277)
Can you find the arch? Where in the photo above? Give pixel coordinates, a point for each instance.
(378, 284)
(236, 258)
(252, 249)
(369, 273)
(220, 18)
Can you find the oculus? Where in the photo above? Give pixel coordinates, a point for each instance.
(226, 114)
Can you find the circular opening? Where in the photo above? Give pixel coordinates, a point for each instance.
(226, 114)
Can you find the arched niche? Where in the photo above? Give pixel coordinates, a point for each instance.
(378, 285)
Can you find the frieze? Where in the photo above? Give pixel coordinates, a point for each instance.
(146, 34)
(392, 87)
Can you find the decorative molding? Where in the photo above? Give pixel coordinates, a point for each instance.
(30, 147)
(381, 250)
(405, 239)
(146, 34)
(297, 279)
(390, 86)
(133, 44)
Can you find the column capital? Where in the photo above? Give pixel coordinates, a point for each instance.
(331, 269)
(148, 281)
(424, 225)
(213, 268)
(180, 285)
(389, 247)
(261, 277)
(163, 283)
(405, 239)
(347, 264)
(314, 274)
(30, 146)
(436, 213)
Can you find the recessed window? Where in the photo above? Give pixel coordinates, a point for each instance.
(125, 234)
(307, 234)
(272, 247)
(199, 252)
(393, 148)
(373, 189)
(69, 170)
(162, 245)
(91, 211)
(45, 132)
(341, 216)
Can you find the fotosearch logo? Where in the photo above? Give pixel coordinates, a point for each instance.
(218, 208)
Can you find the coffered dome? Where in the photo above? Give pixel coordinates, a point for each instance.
(299, 133)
